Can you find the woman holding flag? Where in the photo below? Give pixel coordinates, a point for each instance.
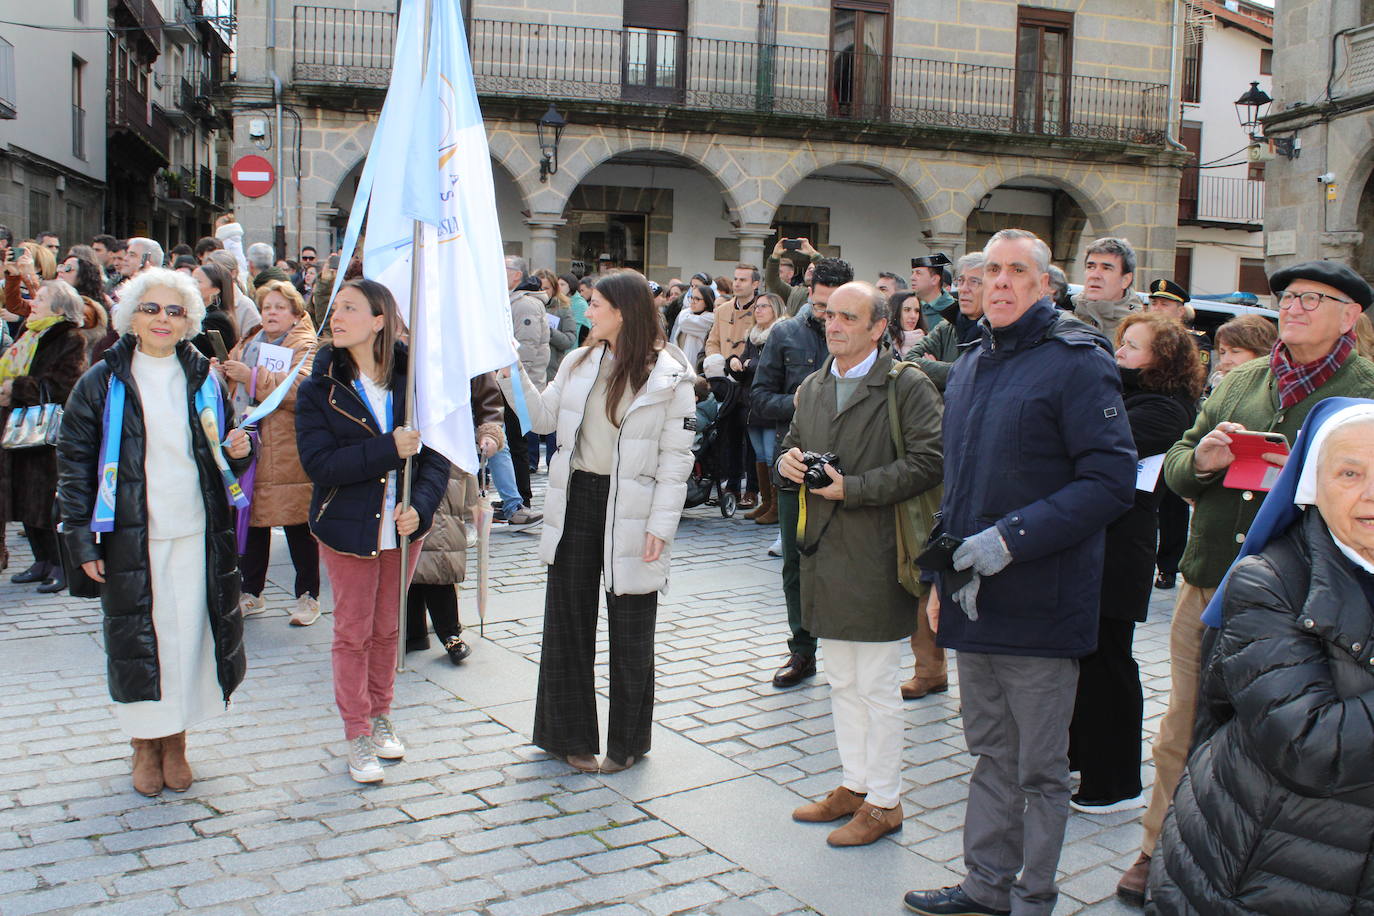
(354, 450)
(146, 478)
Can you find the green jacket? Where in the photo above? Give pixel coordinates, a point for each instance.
(942, 346)
(1221, 517)
(849, 586)
(793, 296)
(934, 310)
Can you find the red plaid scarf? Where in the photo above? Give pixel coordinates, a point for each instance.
(1297, 380)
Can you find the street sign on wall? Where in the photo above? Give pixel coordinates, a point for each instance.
(252, 176)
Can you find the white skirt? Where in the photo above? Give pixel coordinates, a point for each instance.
(185, 644)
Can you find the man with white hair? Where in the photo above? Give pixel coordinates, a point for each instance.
(140, 255)
(262, 265)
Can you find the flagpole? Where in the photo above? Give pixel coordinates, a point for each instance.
(416, 278)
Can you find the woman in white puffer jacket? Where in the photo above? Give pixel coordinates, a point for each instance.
(624, 410)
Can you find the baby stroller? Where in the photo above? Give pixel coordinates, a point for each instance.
(709, 453)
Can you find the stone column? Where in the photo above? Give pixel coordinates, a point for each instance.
(752, 239)
(544, 240)
(1340, 245)
(948, 242)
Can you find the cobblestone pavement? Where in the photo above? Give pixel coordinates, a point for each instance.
(475, 819)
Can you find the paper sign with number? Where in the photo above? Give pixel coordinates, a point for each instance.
(274, 358)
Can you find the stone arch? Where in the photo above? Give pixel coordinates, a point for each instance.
(1348, 209)
(596, 149)
(911, 181)
(1091, 196)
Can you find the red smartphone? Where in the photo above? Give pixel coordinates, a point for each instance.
(1250, 471)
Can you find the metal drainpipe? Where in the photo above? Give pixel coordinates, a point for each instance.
(1174, 77)
(279, 230)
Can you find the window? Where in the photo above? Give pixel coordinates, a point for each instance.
(76, 222)
(1183, 267)
(38, 212)
(1044, 63)
(1190, 134)
(654, 50)
(1252, 278)
(860, 51)
(78, 108)
(79, 10)
(1266, 61)
(1192, 65)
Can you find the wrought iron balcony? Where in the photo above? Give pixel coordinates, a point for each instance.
(129, 111)
(347, 49)
(1216, 199)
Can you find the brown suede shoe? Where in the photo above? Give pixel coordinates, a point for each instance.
(147, 766)
(1131, 887)
(868, 825)
(839, 803)
(585, 763)
(918, 687)
(176, 772)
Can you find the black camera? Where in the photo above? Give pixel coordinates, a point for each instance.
(815, 477)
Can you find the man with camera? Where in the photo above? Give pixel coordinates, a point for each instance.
(840, 450)
(795, 349)
(1039, 459)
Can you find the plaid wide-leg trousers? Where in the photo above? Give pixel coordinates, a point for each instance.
(565, 721)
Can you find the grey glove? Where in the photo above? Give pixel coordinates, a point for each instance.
(967, 597)
(986, 552)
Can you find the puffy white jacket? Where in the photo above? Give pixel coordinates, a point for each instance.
(653, 457)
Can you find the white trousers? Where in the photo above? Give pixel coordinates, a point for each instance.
(866, 705)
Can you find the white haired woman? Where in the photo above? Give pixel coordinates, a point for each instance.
(1275, 809)
(40, 368)
(152, 411)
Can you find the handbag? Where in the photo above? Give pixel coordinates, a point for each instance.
(915, 516)
(30, 427)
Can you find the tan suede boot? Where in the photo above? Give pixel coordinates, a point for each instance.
(176, 772)
(760, 471)
(839, 803)
(868, 825)
(768, 502)
(147, 766)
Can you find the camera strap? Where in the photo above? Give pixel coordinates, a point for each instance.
(804, 549)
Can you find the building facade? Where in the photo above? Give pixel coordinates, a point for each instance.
(1321, 203)
(700, 130)
(1226, 47)
(52, 121)
(167, 59)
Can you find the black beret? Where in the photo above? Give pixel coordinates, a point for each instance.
(1332, 273)
(938, 259)
(1168, 289)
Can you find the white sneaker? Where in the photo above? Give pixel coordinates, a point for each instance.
(1125, 804)
(307, 611)
(385, 744)
(251, 605)
(775, 548)
(362, 762)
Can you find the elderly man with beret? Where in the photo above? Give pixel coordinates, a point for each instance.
(1314, 359)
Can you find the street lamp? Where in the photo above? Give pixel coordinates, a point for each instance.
(550, 128)
(1251, 108)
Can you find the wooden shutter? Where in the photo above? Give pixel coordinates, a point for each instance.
(657, 14)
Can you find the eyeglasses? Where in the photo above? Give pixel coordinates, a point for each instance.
(1309, 301)
(152, 308)
(972, 282)
(67, 269)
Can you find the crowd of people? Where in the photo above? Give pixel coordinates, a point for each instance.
(969, 457)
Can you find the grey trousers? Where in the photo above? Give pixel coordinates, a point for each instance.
(1016, 713)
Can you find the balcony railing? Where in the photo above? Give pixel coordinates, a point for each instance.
(1215, 199)
(8, 95)
(129, 110)
(352, 49)
(79, 132)
(203, 184)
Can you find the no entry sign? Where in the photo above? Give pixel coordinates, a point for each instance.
(252, 176)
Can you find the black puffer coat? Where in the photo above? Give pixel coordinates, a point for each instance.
(127, 597)
(1275, 810)
(1158, 420)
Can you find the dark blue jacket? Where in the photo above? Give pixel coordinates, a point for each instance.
(1037, 443)
(347, 458)
(795, 349)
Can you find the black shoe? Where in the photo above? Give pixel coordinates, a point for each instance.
(1165, 580)
(417, 645)
(38, 572)
(948, 901)
(799, 667)
(457, 649)
(55, 585)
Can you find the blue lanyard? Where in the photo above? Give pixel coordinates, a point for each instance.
(384, 424)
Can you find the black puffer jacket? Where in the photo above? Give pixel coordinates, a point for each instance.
(1275, 811)
(127, 597)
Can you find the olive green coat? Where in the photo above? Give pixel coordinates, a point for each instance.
(849, 586)
(1248, 396)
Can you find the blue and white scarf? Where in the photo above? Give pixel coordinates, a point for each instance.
(210, 411)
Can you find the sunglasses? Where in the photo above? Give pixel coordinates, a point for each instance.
(152, 308)
(307, 257)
